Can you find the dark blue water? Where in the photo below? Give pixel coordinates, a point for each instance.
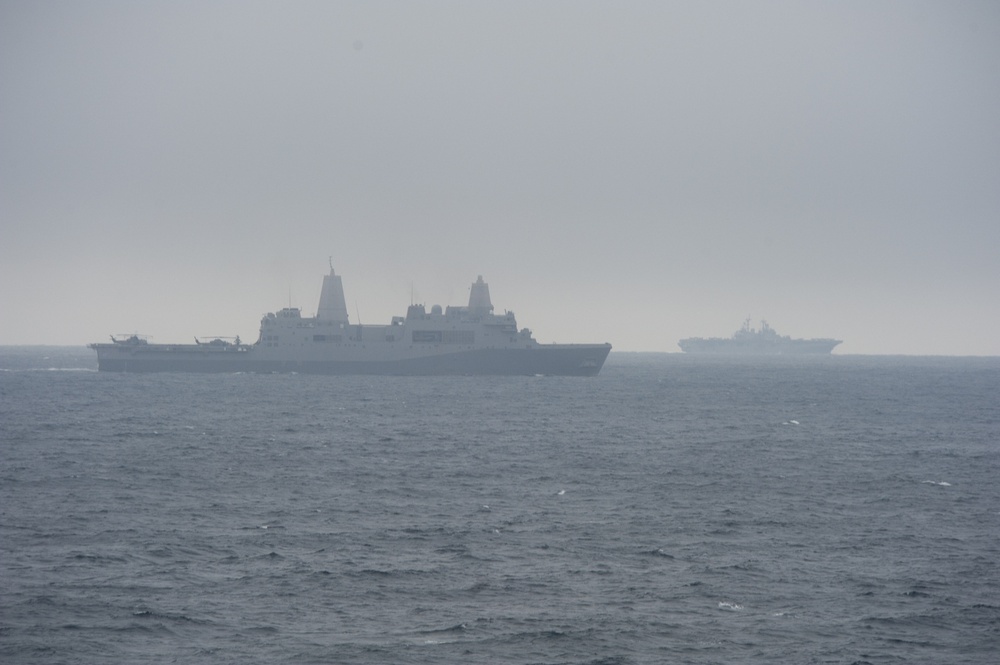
(671, 510)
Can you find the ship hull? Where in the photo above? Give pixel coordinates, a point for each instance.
(763, 348)
(544, 359)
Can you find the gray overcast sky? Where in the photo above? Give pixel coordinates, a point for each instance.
(631, 172)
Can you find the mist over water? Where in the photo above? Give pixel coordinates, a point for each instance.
(673, 509)
(635, 172)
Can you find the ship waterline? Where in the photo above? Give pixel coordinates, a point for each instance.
(456, 340)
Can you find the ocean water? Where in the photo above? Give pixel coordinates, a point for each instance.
(840, 509)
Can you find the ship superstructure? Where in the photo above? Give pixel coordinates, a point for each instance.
(468, 339)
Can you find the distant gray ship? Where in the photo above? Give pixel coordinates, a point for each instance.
(766, 341)
(458, 340)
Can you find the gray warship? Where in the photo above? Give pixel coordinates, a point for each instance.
(765, 341)
(470, 340)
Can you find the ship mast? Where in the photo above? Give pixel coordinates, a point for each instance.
(332, 306)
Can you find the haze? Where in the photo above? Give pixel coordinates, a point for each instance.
(630, 172)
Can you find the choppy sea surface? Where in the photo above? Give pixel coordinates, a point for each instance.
(674, 509)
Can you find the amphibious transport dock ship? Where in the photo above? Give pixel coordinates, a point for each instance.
(747, 341)
(456, 340)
